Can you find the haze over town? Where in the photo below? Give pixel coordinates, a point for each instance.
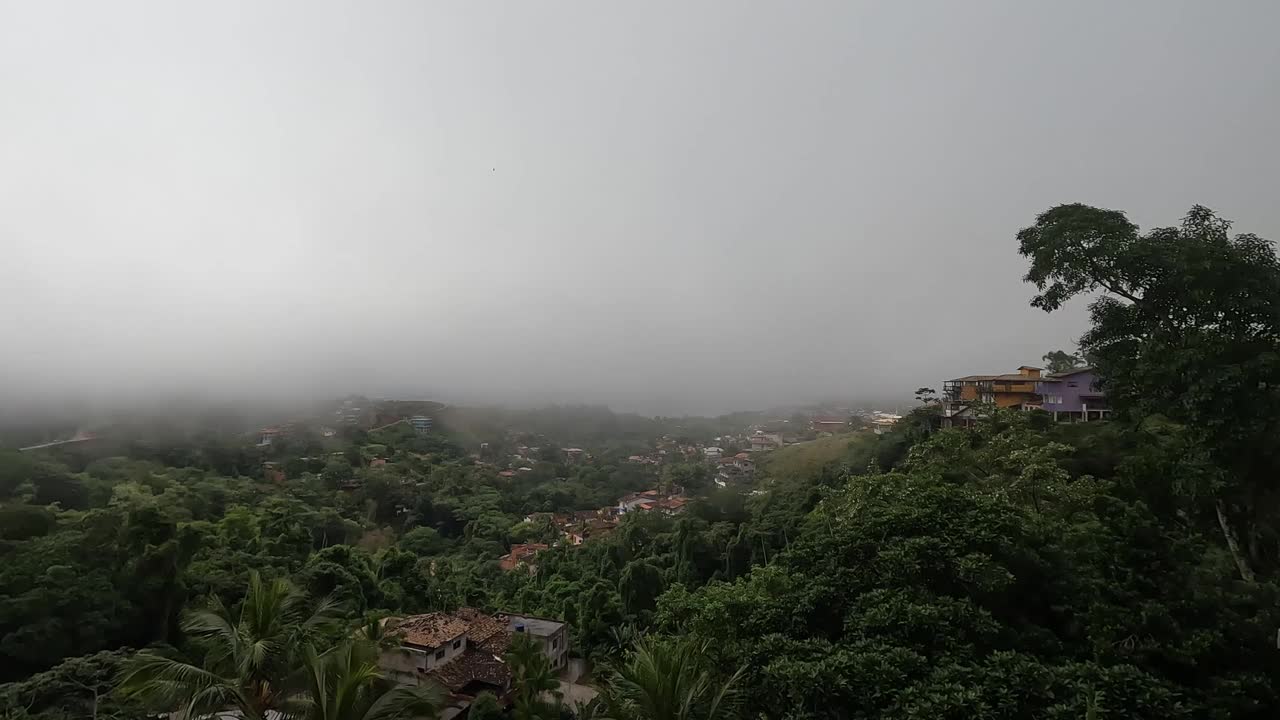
(668, 208)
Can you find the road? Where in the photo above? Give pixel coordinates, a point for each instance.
(78, 437)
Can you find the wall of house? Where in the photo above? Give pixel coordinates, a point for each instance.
(446, 652)
(1073, 390)
(556, 647)
(555, 644)
(402, 664)
(1014, 399)
(410, 662)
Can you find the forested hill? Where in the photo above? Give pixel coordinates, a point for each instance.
(1015, 569)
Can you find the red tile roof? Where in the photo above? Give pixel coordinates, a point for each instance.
(474, 665)
(519, 553)
(487, 632)
(429, 631)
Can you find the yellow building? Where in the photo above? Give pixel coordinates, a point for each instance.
(1011, 390)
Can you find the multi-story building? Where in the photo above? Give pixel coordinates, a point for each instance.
(1010, 390)
(1073, 394)
(735, 470)
(421, 423)
(762, 441)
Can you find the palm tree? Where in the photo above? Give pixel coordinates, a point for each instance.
(248, 659)
(667, 679)
(532, 680)
(346, 684)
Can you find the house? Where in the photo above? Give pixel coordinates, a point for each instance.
(462, 651)
(273, 472)
(637, 501)
(521, 554)
(712, 453)
(1073, 394)
(762, 441)
(580, 532)
(421, 423)
(573, 455)
(882, 422)
(734, 470)
(828, 424)
(669, 503)
(1010, 390)
(651, 459)
(269, 435)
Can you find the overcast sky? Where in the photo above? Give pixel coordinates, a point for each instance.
(668, 207)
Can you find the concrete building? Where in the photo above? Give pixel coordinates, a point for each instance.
(762, 441)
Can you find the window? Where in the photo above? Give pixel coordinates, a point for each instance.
(555, 643)
(1072, 384)
(440, 654)
(457, 644)
(1053, 399)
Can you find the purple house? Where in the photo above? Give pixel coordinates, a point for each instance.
(1073, 394)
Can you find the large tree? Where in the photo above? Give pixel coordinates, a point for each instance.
(1187, 325)
(1057, 361)
(988, 578)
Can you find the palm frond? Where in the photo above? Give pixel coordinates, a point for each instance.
(163, 682)
(406, 702)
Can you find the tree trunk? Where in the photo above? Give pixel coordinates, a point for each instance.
(1246, 573)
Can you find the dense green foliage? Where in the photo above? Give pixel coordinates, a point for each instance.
(1016, 569)
(1188, 327)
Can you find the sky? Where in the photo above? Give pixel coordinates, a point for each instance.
(668, 207)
